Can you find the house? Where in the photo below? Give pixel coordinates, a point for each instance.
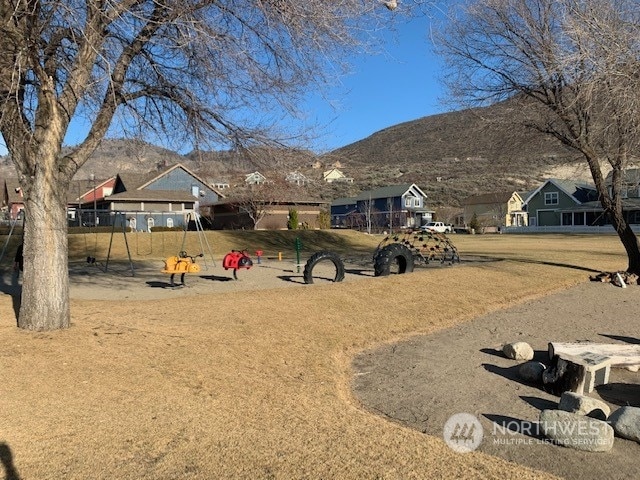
(498, 209)
(342, 211)
(80, 192)
(249, 214)
(12, 201)
(335, 175)
(296, 178)
(564, 202)
(83, 197)
(390, 207)
(255, 178)
(169, 198)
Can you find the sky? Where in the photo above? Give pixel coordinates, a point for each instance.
(383, 90)
(397, 85)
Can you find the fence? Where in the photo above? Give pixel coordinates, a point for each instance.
(577, 229)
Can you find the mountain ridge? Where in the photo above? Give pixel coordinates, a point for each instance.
(449, 155)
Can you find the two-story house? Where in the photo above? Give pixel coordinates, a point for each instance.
(498, 209)
(335, 175)
(385, 208)
(564, 202)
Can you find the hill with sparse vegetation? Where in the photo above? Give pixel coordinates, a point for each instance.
(450, 156)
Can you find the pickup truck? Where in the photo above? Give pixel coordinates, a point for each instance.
(438, 227)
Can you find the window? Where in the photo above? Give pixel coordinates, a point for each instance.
(551, 198)
(567, 218)
(411, 201)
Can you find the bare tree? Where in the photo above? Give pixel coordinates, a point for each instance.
(255, 202)
(570, 69)
(203, 68)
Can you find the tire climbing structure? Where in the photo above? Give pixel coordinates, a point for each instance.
(399, 253)
(322, 257)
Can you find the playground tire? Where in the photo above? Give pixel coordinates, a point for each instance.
(397, 254)
(319, 257)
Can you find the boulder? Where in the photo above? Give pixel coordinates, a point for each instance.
(576, 431)
(626, 423)
(518, 351)
(531, 371)
(583, 405)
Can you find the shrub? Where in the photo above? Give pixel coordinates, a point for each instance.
(292, 224)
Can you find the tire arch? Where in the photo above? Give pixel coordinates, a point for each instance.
(320, 257)
(394, 253)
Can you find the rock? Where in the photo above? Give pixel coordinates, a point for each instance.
(576, 431)
(531, 372)
(626, 423)
(518, 351)
(583, 405)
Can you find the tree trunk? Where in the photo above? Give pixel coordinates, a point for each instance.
(630, 242)
(45, 287)
(627, 237)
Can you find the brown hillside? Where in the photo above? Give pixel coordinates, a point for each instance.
(451, 156)
(456, 154)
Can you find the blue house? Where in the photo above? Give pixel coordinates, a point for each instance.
(385, 208)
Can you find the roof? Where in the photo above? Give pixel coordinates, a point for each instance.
(153, 196)
(137, 181)
(580, 192)
(390, 191)
(630, 176)
(344, 201)
(488, 198)
(231, 201)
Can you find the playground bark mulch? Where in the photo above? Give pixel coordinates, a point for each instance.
(220, 380)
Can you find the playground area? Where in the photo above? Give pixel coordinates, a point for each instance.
(232, 382)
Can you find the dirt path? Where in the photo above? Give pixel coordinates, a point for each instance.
(423, 381)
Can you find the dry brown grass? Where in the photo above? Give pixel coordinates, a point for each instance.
(256, 386)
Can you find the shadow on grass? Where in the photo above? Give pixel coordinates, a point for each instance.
(483, 258)
(12, 287)
(6, 457)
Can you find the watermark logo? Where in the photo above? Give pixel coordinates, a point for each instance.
(463, 432)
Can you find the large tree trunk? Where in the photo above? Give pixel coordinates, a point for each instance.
(630, 242)
(614, 207)
(45, 287)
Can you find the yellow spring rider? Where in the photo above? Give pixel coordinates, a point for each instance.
(181, 264)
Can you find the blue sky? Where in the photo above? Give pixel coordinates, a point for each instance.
(397, 85)
(383, 90)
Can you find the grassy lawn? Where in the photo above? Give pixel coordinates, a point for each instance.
(256, 386)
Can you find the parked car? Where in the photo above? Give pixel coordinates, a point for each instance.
(439, 227)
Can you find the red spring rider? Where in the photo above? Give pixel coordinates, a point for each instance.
(235, 260)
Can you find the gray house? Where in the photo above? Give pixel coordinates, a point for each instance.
(384, 208)
(564, 202)
(168, 198)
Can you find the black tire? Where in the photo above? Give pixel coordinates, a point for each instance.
(393, 255)
(320, 257)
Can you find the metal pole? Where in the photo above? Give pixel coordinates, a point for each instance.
(95, 210)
